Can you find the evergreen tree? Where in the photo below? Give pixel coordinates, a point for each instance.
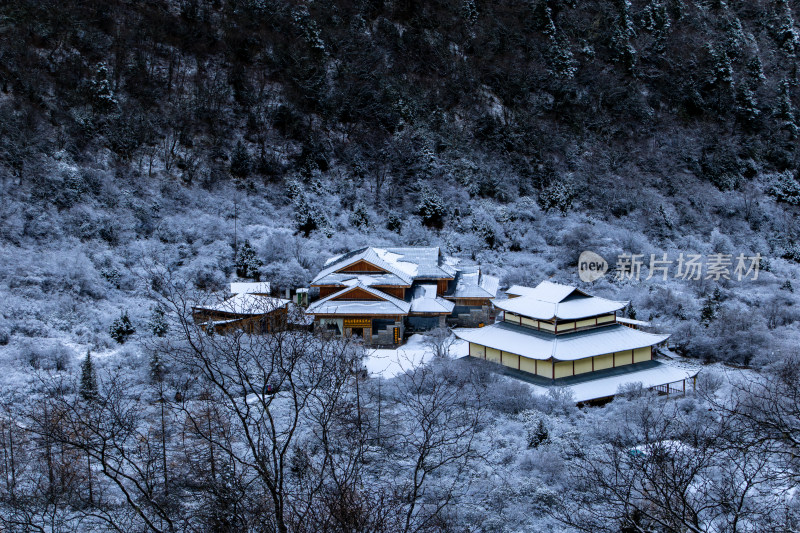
(121, 328)
(359, 218)
(308, 217)
(755, 73)
(711, 307)
(538, 435)
(622, 34)
(469, 10)
(247, 262)
(88, 386)
(157, 369)
(102, 95)
(655, 19)
(394, 222)
(785, 34)
(746, 105)
(240, 161)
(158, 322)
(785, 111)
(431, 208)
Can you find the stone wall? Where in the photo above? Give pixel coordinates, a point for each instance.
(476, 316)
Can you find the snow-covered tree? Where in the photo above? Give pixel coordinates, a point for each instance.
(121, 328)
(88, 384)
(431, 208)
(158, 324)
(359, 218)
(102, 95)
(248, 264)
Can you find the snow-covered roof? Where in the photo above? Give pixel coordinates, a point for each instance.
(519, 290)
(566, 347)
(245, 305)
(604, 387)
(391, 263)
(428, 261)
(632, 322)
(348, 278)
(424, 300)
(552, 300)
(402, 266)
(387, 305)
(547, 291)
(261, 287)
(471, 283)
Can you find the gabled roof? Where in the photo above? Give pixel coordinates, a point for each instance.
(471, 283)
(424, 300)
(401, 266)
(245, 305)
(567, 347)
(402, 273)
(385, 305)
(550, 300)
(547, 291)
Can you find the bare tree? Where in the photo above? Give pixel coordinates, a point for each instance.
(439, 413)
(669, 470)
(439, 341)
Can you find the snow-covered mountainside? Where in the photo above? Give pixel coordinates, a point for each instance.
(215, 140)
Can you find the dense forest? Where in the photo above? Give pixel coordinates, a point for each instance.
(151, 152)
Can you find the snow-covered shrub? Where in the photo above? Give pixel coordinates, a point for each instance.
(45, 355)
(785, 188)
(558, 401)
(510, 396)
(287, 274)
(309, 217)
(394, 222)
(558, 195)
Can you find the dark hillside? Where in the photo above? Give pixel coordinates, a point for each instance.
(519, 131)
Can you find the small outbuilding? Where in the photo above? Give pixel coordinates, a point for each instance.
(251, 309)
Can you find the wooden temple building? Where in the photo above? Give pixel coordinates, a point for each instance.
(558, 334)
(381, 293)
(251, 309)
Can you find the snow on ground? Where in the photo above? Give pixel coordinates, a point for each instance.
(388, 363)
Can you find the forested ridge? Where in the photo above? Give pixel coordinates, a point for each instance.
(151, 152)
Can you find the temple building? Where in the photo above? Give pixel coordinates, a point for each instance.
(557, 334)
(250, 309)
(380, 294)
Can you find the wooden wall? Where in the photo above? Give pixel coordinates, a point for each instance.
(397, 292)
(361, 266)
